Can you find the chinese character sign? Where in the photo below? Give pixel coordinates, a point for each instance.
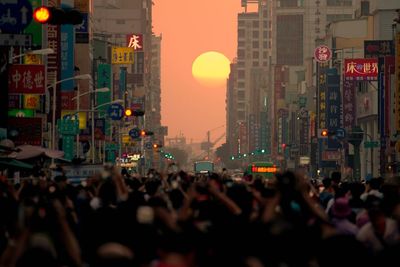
(378, 48)
(333, 108)
(67, 57)
(104, 81)
(397, 84)
(349, 105)
(135, 41)
(122, 55)
(361, 69)
(322, 53)
(27, 79)
(321, 83)
(31, 101)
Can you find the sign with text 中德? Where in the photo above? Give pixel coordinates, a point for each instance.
(122, 55)
(27, 79)
(135, 41)
(361, 69)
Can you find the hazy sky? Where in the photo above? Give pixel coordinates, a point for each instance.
(190, 28)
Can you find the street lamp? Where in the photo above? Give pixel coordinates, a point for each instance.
(42, 52)
(53, 121)
(77, 97)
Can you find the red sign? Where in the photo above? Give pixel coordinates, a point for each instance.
(66, 101)
(28, 130)
(322, 54)
(361, 69)
(27, 79)
(135, 41)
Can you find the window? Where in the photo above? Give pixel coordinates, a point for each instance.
(241, 43)
(120, 21)
(339, 2)
(255, 34)
(256, 54)
(241, 85)
(256, 24)
(265, 63)
(265, 34)
(265, 54)
(241, 74)
(240, 115)
(240, 53)
(241, 23)
(241, 33)
(256, 44)
(265, 44)
(255, 63)
(240, 105)
(265, 24)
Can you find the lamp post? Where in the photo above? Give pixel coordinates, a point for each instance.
(53, 121)
(77, 97)
(45, 51)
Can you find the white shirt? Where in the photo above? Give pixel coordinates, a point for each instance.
(367, 235)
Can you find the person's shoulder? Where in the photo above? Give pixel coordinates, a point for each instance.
(365, 231)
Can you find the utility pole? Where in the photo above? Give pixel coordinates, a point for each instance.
(208, 144)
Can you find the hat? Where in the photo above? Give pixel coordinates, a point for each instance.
(341, 208)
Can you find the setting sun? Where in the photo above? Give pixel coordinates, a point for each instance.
(211, 69)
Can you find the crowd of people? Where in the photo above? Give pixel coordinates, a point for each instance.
(182, 220)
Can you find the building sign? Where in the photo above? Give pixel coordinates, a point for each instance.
(322, 54)
(21, 113)
(27, 79)
(31, 102)
(378, 48)
(349, 104)
(135, 41)
(361, 69)
(397, 84)
(67, 57)
(14, 101)
(104, 81)
(69, 114)
(260, 169)
(32, 59)
(322, 88)
(122, 55)
(29, 130)
(331, 155)
(333, 107)
(66, 100)
(99, 130)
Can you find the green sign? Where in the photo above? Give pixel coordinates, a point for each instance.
(21, 113)
(371, 144)
(68, 146)
(104, 75)
(68, 127)
(34, 27)
(302, 101)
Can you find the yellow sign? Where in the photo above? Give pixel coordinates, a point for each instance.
(82, 117)
(31, 101)
(32, 59)
(397, 84)
(122, 55)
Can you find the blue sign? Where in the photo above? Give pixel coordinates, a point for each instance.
(15, 15)
(115, 112)
(67, 57)
(340, 133)
(83, 27)
(134, 133)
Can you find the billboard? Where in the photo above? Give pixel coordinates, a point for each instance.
(29, 130)
(122, 55)
(361, 69)
(27, 79)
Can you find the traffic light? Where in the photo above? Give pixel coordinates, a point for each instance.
(138, 113)
(156, 146)
(323, 133)
(128, 112)
(283, 146)
(57, 16)
(146, 133)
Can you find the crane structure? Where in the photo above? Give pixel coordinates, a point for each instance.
(208, 145)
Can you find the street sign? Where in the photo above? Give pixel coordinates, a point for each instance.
(115, 111)
(15, 16)
(134, 133)
(148, 145)
(68, 126)
(340, 133)
(371, 144)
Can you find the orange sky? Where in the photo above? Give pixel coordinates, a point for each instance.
(190, 28)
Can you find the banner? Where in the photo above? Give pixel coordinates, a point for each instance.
(349, 104)
(122, 55)
(27, 79)
(361, 69)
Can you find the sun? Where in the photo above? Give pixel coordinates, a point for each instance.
(211, 69)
